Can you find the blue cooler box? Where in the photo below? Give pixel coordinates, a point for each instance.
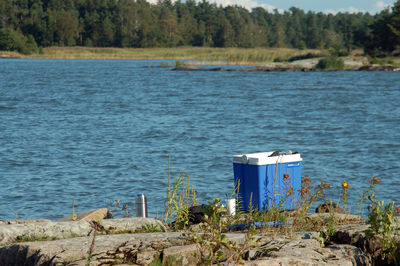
(265, 182)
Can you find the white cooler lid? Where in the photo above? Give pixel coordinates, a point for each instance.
(261, 158)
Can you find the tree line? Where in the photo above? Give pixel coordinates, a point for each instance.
(28, 24)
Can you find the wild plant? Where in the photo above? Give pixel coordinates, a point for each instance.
(27, 238)
(212, 240)
(95, 227)
(278, 198)
(239, 202)
(179, 63)
(180, 197)
(117, 210)
(308, 196)
(213, 246)
(149, 228)
(74, 216)
(373, 182)
(381, 219)
(285, 196)
(329, 226)
(345, 186)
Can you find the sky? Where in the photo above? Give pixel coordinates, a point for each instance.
(325, 6)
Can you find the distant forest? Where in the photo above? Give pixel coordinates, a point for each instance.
(26, 25)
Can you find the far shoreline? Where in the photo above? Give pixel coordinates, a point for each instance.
(272, 58)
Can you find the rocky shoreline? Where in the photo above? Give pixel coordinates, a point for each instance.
(304, 65)
(387, 68)
(144, 241)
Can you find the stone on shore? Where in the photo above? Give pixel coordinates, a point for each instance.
(379, 68)
(25, 221)
(118, 242)
(181, 255)
(62, 230)
(173, 248)
(310, 254)
(139, 248)
(92, 215)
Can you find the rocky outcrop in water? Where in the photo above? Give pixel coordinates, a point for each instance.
(278, 68)
(378, 68)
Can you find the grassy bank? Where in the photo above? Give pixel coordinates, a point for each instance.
(274, 57)
(228, 55)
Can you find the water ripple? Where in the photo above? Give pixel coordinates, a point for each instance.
(95, 130)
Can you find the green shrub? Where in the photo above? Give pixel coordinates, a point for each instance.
(330, 63)
(381, 61)
(304, 56)
(179, 63)
(279, 60)
(11, 40)
(27, 238)
(30, 45)
(297, 57)
(337, 51)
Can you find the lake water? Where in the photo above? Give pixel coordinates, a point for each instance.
(96, 130)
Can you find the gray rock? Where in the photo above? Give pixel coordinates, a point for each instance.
(304, 249)
(355, 254)
(92, 215)
(327, 207)
(147, 257)
(63, 230)
(11, 233)
(181, 255)
(140, 248)
(309, 252)
(117, 243)
(123, 248)
(25, 221)
(351, 235)
(341, 218)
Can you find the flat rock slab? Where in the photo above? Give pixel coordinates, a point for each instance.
(117, 242)
(308, 252)
(172, 248)
(140, 249)
(25, 221)
(62, 230)
(182, 255)
(92, 215)
(121, 248)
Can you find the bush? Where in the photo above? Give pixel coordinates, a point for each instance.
(279, 60)
(336, 50)
(11, 40)
(30, 45)
(381, 61)
(297, 57)
(304, 56)
(330, 63)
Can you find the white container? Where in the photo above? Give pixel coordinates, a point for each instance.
(231, 206)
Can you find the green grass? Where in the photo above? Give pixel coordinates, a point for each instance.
(197, 54)
(25, 238)
(384, 61)
(330, 63)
